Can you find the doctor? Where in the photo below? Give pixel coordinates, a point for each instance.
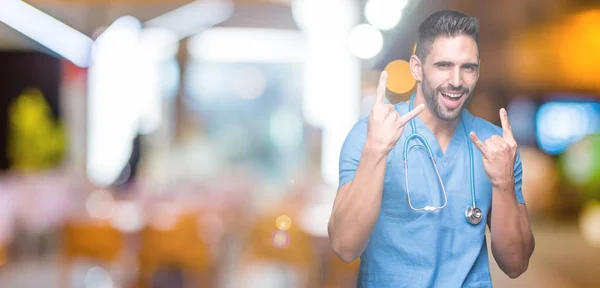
(420, 235)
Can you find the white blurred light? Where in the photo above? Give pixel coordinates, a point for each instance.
(248, 45)
(384, 14)
(42, 28)
(128, 217)
(365, 41)
(331, 74)
(156, 47)
(158, 44)
(112, 103)
(100, 205)
(270, 274)
(560, 124)
(314, 219)
(125, 92)
(194, 17)
(97, 277)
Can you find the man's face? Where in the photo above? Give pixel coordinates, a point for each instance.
(450, 73)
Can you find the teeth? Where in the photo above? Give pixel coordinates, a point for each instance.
(452, 95)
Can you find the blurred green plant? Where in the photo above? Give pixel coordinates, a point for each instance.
(35, 140)
(581, 166)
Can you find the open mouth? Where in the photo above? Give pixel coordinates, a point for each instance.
(452, 99)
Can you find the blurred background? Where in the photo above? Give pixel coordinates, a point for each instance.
(155, 143)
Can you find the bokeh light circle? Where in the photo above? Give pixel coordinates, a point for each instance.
(400, 80)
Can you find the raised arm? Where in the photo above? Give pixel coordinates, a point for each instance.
(357, 203)
(512, 239)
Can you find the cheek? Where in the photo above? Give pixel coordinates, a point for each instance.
(436, 79)
(470, 79)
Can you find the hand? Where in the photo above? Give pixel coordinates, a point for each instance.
(385, 123)
(499, 153)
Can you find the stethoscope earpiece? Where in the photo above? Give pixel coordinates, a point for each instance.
(473, 215)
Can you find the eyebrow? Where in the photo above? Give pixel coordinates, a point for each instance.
(448, 63)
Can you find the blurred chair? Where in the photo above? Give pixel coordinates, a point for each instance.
(340, 274)
(177, 248)
(278, 258)
(97, 241)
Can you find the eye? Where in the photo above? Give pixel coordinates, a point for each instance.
(470, 68)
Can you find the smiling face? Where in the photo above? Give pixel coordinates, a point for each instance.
(449, 75)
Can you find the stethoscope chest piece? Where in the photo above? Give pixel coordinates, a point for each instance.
(474, 215)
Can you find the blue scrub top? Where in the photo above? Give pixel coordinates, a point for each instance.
(427, 249)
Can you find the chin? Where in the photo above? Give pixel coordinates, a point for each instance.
(446, 114)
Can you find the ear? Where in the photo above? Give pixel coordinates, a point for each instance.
(415, 68)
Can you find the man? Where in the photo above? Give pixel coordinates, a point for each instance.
(372, 217)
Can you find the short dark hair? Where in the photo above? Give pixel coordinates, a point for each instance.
(445, 23)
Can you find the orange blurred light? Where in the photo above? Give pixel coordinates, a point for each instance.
(400, 80)
(283, 222)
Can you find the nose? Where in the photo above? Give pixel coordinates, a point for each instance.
(456, 78)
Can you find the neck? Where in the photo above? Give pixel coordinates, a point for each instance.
(441, 129)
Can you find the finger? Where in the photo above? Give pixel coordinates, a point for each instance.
(394, 116)
(499, 141)
(482, 147)
(379, 98)
(390, 108)
(506, 128)
(412, 114)
(491, 145)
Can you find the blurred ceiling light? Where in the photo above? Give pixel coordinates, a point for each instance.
(384, 14)
(365, 41)
(248, 45)
(331, 74)
(46, 30)
(400, 79)
(194, 17)
(158, 43)
(113, 110)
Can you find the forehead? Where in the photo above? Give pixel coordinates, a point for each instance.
(458, 49)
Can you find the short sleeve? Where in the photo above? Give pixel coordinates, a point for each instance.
(352, 151)
(518, 174)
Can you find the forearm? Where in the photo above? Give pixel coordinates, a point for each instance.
(357, 209)
(512, 240)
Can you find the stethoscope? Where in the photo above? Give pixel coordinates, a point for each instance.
(472, 213)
